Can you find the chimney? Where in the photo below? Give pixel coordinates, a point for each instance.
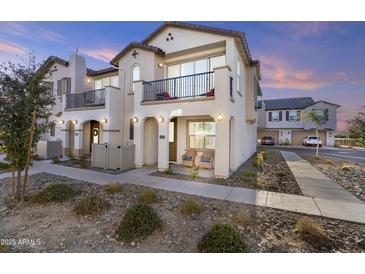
(78, 73)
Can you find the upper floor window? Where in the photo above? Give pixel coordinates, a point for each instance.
(106, 81)
(293, 116)
(63, 86)
(135, 76)
(275, 116)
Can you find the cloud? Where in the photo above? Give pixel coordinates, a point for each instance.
(103, 54)
(10, 47)
(53, 36)
(278, 73)
(16, 29)
(308, 29)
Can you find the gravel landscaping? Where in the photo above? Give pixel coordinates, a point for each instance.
(274, 175)
(349, 175)
(55, 227)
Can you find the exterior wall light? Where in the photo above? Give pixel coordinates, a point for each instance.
(88, 80)
(61, 122)
(160, 119)
(104, 121)
(135, 119)
(220, 117)
(160, 65)
(74, 122)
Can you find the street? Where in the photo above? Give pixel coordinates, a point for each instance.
(336, 153)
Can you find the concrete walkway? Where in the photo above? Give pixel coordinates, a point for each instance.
(349, 211)
(314, 183)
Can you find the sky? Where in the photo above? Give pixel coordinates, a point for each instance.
(324, 60)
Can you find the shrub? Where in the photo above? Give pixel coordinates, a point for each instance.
(113, 187)
(91, 205)
(328, 162)
(345, 167)
(190, 207)
(139, 222)
(169, 171)
(312, 233)
(148, 196)
(317, 158)
(259, 161)
(56, 160)
(243, 219)
(264, 154)
(222, 238)
(4, 166)
(3, 248)
(194, 173)
(55, 193)
(249, 174)
(273, 186)
(257, 183)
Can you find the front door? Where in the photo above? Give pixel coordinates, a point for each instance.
(94, 133)
(173, 140)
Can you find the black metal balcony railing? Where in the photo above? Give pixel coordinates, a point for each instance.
(196, 85)
(87, 99)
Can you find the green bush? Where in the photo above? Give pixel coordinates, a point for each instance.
(273, 186)
(55, 193)
(4, 166)
(148, 196)
(91, 205)
(313, 233)
(259, 161)
(56, 160)
(169, 171)
(113, 187)
(139, 222)
(3, 248)
(194, 173)
(190, 207)
(249, 173)
(222, 238)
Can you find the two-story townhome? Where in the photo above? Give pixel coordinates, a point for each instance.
(190, 87)
(183, 88)
(282, 119)
(84, 100)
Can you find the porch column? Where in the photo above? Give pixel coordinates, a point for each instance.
(138, 142)
(222, 140)
(78, 145)
(163, 142)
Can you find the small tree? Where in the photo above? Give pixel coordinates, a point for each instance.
(357, 127)
(23, 91)
(317, 119)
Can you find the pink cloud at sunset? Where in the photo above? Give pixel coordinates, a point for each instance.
(103, 54)
(12, 48)
(278, 73)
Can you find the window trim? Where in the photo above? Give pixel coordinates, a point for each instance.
(134, 66)
(272, 116)
(296, 116)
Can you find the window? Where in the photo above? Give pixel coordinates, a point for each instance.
(106, 81)
(52, 129)
(293, 116)
(275, 116)
(131, 129)
(63, 86)
(238, 75)
(202, 135)
(135, 76)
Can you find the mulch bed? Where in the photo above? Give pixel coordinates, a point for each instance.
(275, 175)
(55, 228)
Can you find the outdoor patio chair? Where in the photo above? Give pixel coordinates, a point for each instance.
(188, 158)
(206, 159)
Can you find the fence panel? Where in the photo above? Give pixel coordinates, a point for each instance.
(112, 156)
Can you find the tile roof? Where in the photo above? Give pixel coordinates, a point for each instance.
(51, 60)
(288, 103)
(136, 45)
(91, 72)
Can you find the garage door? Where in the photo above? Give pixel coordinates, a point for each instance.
(297, 136)
(272, 134)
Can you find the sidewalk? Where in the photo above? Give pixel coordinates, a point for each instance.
(314, 183)
(348, 211)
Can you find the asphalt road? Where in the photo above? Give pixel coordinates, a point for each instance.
(337, 153)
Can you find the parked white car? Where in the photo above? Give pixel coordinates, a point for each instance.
(311, 141)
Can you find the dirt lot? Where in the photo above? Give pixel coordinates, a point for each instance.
(55, 228)
(275, 175)
(349, 175)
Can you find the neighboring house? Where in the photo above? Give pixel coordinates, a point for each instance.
(184, 87)
(282, 119)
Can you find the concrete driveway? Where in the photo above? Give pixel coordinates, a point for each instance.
(336, 153)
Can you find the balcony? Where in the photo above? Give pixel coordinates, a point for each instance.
(190, 86)
(94, 98)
